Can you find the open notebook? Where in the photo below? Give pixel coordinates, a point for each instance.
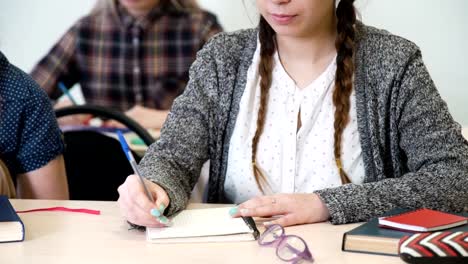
(204, 225)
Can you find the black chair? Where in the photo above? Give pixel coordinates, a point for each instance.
(95, 163)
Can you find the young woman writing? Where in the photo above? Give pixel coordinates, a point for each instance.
(312, 116)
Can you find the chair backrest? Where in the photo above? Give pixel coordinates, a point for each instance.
(95, 162)
(95, 165)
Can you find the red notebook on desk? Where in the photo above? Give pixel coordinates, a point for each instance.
(423, 220)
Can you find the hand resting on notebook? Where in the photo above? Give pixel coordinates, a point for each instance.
(294, 209)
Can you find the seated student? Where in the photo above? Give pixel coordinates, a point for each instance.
(312, 116)
(31, 145)
(132, 56)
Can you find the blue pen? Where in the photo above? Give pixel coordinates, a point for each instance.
(66, 93)
(133, 163)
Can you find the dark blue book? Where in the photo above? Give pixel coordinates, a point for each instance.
(11, 226)
(372, 239)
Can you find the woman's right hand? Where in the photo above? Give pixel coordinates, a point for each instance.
(137, 208)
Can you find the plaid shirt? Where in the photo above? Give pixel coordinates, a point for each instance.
(120, 61)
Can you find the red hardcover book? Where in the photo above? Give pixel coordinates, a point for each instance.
(423, 220)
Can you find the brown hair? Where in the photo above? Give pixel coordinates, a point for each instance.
(346, 20)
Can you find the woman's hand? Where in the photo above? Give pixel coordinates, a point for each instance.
(293, 209)
(137, 208)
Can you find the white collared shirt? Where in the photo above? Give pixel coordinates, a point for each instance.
(293, 161)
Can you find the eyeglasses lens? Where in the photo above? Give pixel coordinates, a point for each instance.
(272, 234)
(290, 247)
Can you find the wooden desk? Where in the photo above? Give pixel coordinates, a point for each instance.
(62, 237)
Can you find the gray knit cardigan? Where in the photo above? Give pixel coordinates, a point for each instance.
(414, 153)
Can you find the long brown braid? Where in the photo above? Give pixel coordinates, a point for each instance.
(268, 47)
(346, 19)
(346, 16)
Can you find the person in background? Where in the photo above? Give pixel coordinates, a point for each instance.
(31, 145)
(312, 116)
(129, 55)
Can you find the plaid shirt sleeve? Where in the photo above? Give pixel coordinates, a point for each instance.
(211, 27)
(58, 65)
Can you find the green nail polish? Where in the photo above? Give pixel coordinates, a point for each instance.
(155, 212)
(162, 207)
(233, 211)
(164, 220)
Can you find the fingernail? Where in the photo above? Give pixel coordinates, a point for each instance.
(233, 211)
(162, 207)
(164, 220)
(155, 212)
(244, 211)
(267, 223)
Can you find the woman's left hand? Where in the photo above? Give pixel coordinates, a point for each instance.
(293, 209)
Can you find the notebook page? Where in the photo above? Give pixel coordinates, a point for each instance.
(200, 223)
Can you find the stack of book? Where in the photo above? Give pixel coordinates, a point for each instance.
(382, 235)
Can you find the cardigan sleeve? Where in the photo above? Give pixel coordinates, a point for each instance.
(435, 151)
(175, 160)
